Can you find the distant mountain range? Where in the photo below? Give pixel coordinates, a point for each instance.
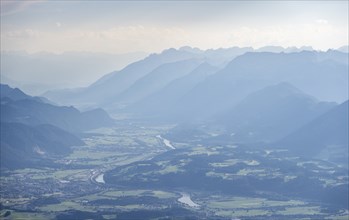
(113, 84)
(326, 80)
(325, 137)
(241, 94)
(157, 79)
(166, 98)
(271, 113)
(32, 128)
(319, 74)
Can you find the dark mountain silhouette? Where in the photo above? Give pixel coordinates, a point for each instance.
(17, 94)
(31, 111)
(23, 145)
(14, 94)
(32, 131)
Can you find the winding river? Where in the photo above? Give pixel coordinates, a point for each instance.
(166, 142)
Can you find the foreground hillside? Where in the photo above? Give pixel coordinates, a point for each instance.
(33, 130)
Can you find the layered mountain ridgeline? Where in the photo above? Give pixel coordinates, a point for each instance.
(323, 79)
(32, 111)
(157, 79)
(156, 104)
(113, 84)
(33, 129)
(16, 94)
(325, 137)
(257, 97)
(270, 114)
(109, 91)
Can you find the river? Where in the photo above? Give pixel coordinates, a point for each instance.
(185, 199)
(166, 142)
(100, 178)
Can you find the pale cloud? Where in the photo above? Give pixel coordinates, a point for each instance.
(123, 38)
(322, 21)
(156, 38)
(22, 34)
(58, 26)
(320, 37)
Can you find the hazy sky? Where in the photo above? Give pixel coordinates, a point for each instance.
(151, 26)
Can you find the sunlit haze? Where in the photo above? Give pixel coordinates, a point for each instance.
(165, 109)
(121, 26)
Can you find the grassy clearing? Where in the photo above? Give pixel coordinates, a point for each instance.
(251, 203)
(62, 174)
(248, 207)
(170, 169)
(338, 217)
(30, 216)
(203, 150)
(244, 172)
(156, 193)
(301, 210)
(242, 213)
(226, 163)
(151, 141)
(232, 162)
(90, 154)
(29, 170)
(163, 194)
(64, 206)
(124, 193)
(130, 207)
(58, 174)
(109, 216)
(225, 176)
(14, 201)
(237, 203)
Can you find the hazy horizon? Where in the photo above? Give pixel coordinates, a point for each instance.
(123, 27)
(45, 38)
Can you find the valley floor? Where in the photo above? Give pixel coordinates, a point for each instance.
(108, 179)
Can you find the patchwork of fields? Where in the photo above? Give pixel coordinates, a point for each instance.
(144, 177)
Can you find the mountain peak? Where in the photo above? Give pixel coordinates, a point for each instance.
(190, 49)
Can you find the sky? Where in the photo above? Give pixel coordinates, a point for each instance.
(152, 26)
